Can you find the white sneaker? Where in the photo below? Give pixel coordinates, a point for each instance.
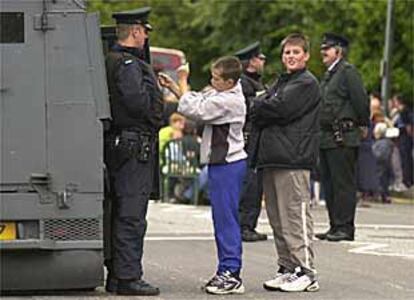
(300, 282)
(399, 187)
(275, 283)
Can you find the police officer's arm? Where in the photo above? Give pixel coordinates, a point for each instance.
(357, 95)
(296, 100)
(248, 92)
(135, 93)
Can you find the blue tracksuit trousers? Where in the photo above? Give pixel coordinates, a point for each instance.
(224, 184)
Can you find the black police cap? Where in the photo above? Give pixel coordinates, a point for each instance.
(137, 16)
(330, 39)
(253, 50)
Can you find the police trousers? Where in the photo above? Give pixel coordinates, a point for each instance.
(132, 184)
(251, 199)
(338, 177)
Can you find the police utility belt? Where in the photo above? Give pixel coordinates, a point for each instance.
(131, 143)
(338, 128)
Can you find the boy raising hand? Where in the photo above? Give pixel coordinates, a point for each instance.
(222, 109)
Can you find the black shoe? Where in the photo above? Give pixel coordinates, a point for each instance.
(136, 287)
(111, 284)
(253, 236)
(339, 236)
(322, 236)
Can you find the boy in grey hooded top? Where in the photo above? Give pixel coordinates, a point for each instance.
(223, 113)
(222, 109)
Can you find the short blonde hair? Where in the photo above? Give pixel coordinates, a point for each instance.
(175, 117)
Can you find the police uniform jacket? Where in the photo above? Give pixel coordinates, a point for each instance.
(344, 103)
(288, 119)
(136, 101)
(251, 84)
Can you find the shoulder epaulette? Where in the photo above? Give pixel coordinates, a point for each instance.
(127, 58)
(348, 65)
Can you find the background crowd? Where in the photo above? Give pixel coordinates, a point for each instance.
(386, 152)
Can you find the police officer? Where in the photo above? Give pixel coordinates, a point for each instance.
(136, 109)
(251, 197)
(345, 110)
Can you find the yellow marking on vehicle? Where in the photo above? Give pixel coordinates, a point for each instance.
(7, 231)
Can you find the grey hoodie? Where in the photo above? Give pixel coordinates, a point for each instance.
(223, 114)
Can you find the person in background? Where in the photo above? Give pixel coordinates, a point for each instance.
(222, 109)
(404, 123)
(344, 120)
(173, 131)
(382, 150)
(253, 61)
(287, 117)
(184, 189)
(366, 176)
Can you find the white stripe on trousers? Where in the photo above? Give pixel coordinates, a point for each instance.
(305, 235)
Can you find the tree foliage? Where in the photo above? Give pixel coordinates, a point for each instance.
(207, 29)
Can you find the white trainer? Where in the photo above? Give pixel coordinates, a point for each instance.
(275, 283)
(300, 282)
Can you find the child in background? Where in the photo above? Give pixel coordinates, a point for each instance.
(173, 131)
(382, 149)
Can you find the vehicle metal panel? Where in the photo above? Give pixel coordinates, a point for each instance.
(22, 93)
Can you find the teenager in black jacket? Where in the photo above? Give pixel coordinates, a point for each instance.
(288, 119)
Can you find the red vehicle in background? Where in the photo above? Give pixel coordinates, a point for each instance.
(167, 60)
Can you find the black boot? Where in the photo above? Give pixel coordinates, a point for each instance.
(111, 284)
(322, 236)
(136, 287)
(252, 236)
(339, 236)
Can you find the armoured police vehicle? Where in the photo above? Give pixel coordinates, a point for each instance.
(53, 94)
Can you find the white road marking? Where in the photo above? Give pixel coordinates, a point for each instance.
(362, 247)
(399, 287)
(370, 248)
(205, 215)
(365, 246)
(374, 226)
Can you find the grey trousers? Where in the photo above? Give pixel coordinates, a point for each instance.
(287, 196)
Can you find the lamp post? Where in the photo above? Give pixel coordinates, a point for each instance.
(386, 61)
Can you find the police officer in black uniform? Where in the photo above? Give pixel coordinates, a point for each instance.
(344, 115)
(136, 108)
(251, 196)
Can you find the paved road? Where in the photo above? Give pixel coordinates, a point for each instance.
(180, 256)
